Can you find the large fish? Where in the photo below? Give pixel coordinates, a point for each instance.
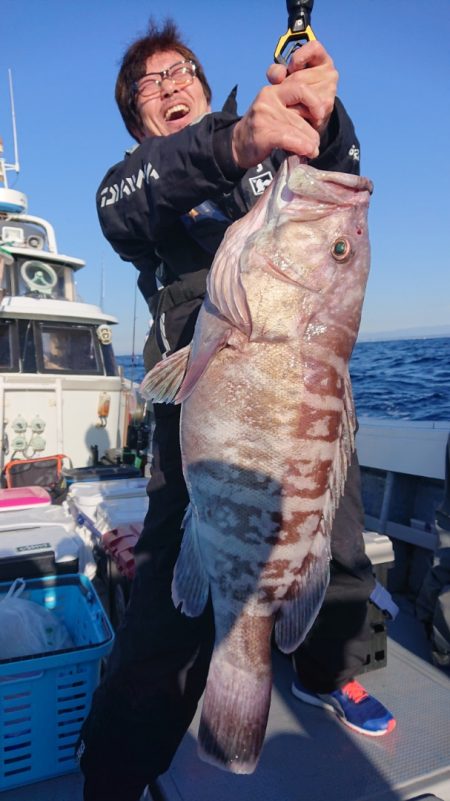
(267, 433)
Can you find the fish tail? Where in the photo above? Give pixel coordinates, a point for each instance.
(162, 383)
(235, 707)
(297, 615)
(234, 717)
(190, 585)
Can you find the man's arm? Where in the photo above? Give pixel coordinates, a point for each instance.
(141, 197)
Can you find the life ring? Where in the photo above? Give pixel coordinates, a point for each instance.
(104, 334)
(38, 276)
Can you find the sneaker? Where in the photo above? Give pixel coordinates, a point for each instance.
(353, 706)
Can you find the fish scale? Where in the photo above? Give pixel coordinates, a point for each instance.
(267, 432)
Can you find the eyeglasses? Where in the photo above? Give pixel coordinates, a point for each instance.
(182, 73)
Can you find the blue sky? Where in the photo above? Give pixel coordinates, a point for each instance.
(394, 64)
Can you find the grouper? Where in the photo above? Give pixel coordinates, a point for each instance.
(267, 434)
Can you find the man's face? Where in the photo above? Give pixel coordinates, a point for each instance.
(174, 107)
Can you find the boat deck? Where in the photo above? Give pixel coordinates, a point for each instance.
(309, 755)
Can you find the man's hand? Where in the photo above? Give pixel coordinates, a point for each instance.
(292, 112)
(318, 73)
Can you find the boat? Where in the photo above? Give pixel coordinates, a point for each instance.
(61, 390)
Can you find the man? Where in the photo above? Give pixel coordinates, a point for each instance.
(165, 208)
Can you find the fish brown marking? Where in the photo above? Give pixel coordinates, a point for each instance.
(306, 483)
(311, 421)
(310, 482)
(320, 345)
(340, 345)
(321, 377)
(270, 594)
(289, 528)
(277, 518)
(274, 568)
(320, 452)
(231, 567)
(298, 572)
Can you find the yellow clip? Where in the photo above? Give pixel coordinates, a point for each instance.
(290, 41)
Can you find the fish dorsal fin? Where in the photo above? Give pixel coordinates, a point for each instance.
(162, 383)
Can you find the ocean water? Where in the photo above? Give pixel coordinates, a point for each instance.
(402, 379)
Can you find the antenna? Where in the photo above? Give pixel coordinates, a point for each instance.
(15, 166)
(11, 201)
(102, 283)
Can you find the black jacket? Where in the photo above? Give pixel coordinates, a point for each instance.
(166, 207)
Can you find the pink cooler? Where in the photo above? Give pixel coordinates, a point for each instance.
(14, 498)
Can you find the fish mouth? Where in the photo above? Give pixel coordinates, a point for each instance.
(176, 112)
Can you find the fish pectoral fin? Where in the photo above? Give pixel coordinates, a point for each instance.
(199, 362)
(343, 456)
(297, 614)
(162, 383)
(190, 585)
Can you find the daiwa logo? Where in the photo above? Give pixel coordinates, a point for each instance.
(260, 182)
(354, 153)
(111, 194)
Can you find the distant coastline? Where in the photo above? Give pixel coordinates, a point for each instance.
(424, 332)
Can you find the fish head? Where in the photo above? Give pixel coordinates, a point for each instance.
(316, 221)
(315, 240)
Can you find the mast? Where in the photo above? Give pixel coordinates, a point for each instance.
(11, 201)
(4, 167)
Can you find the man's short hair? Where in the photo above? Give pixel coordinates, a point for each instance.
(133, 68)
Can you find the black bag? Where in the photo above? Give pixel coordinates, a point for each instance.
(45, 471)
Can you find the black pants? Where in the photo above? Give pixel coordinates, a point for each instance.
(158, 667)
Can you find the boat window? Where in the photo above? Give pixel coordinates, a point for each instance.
(27, 349)
(5, 278)
(67, 349)
(109, 360)
(9, 353)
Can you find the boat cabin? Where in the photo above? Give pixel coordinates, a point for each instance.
(61, 390)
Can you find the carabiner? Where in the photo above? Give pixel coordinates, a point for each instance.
(299, 30)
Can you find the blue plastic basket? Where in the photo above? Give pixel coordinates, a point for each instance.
(45, 699)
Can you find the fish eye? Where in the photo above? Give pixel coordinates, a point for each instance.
(341, 249)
